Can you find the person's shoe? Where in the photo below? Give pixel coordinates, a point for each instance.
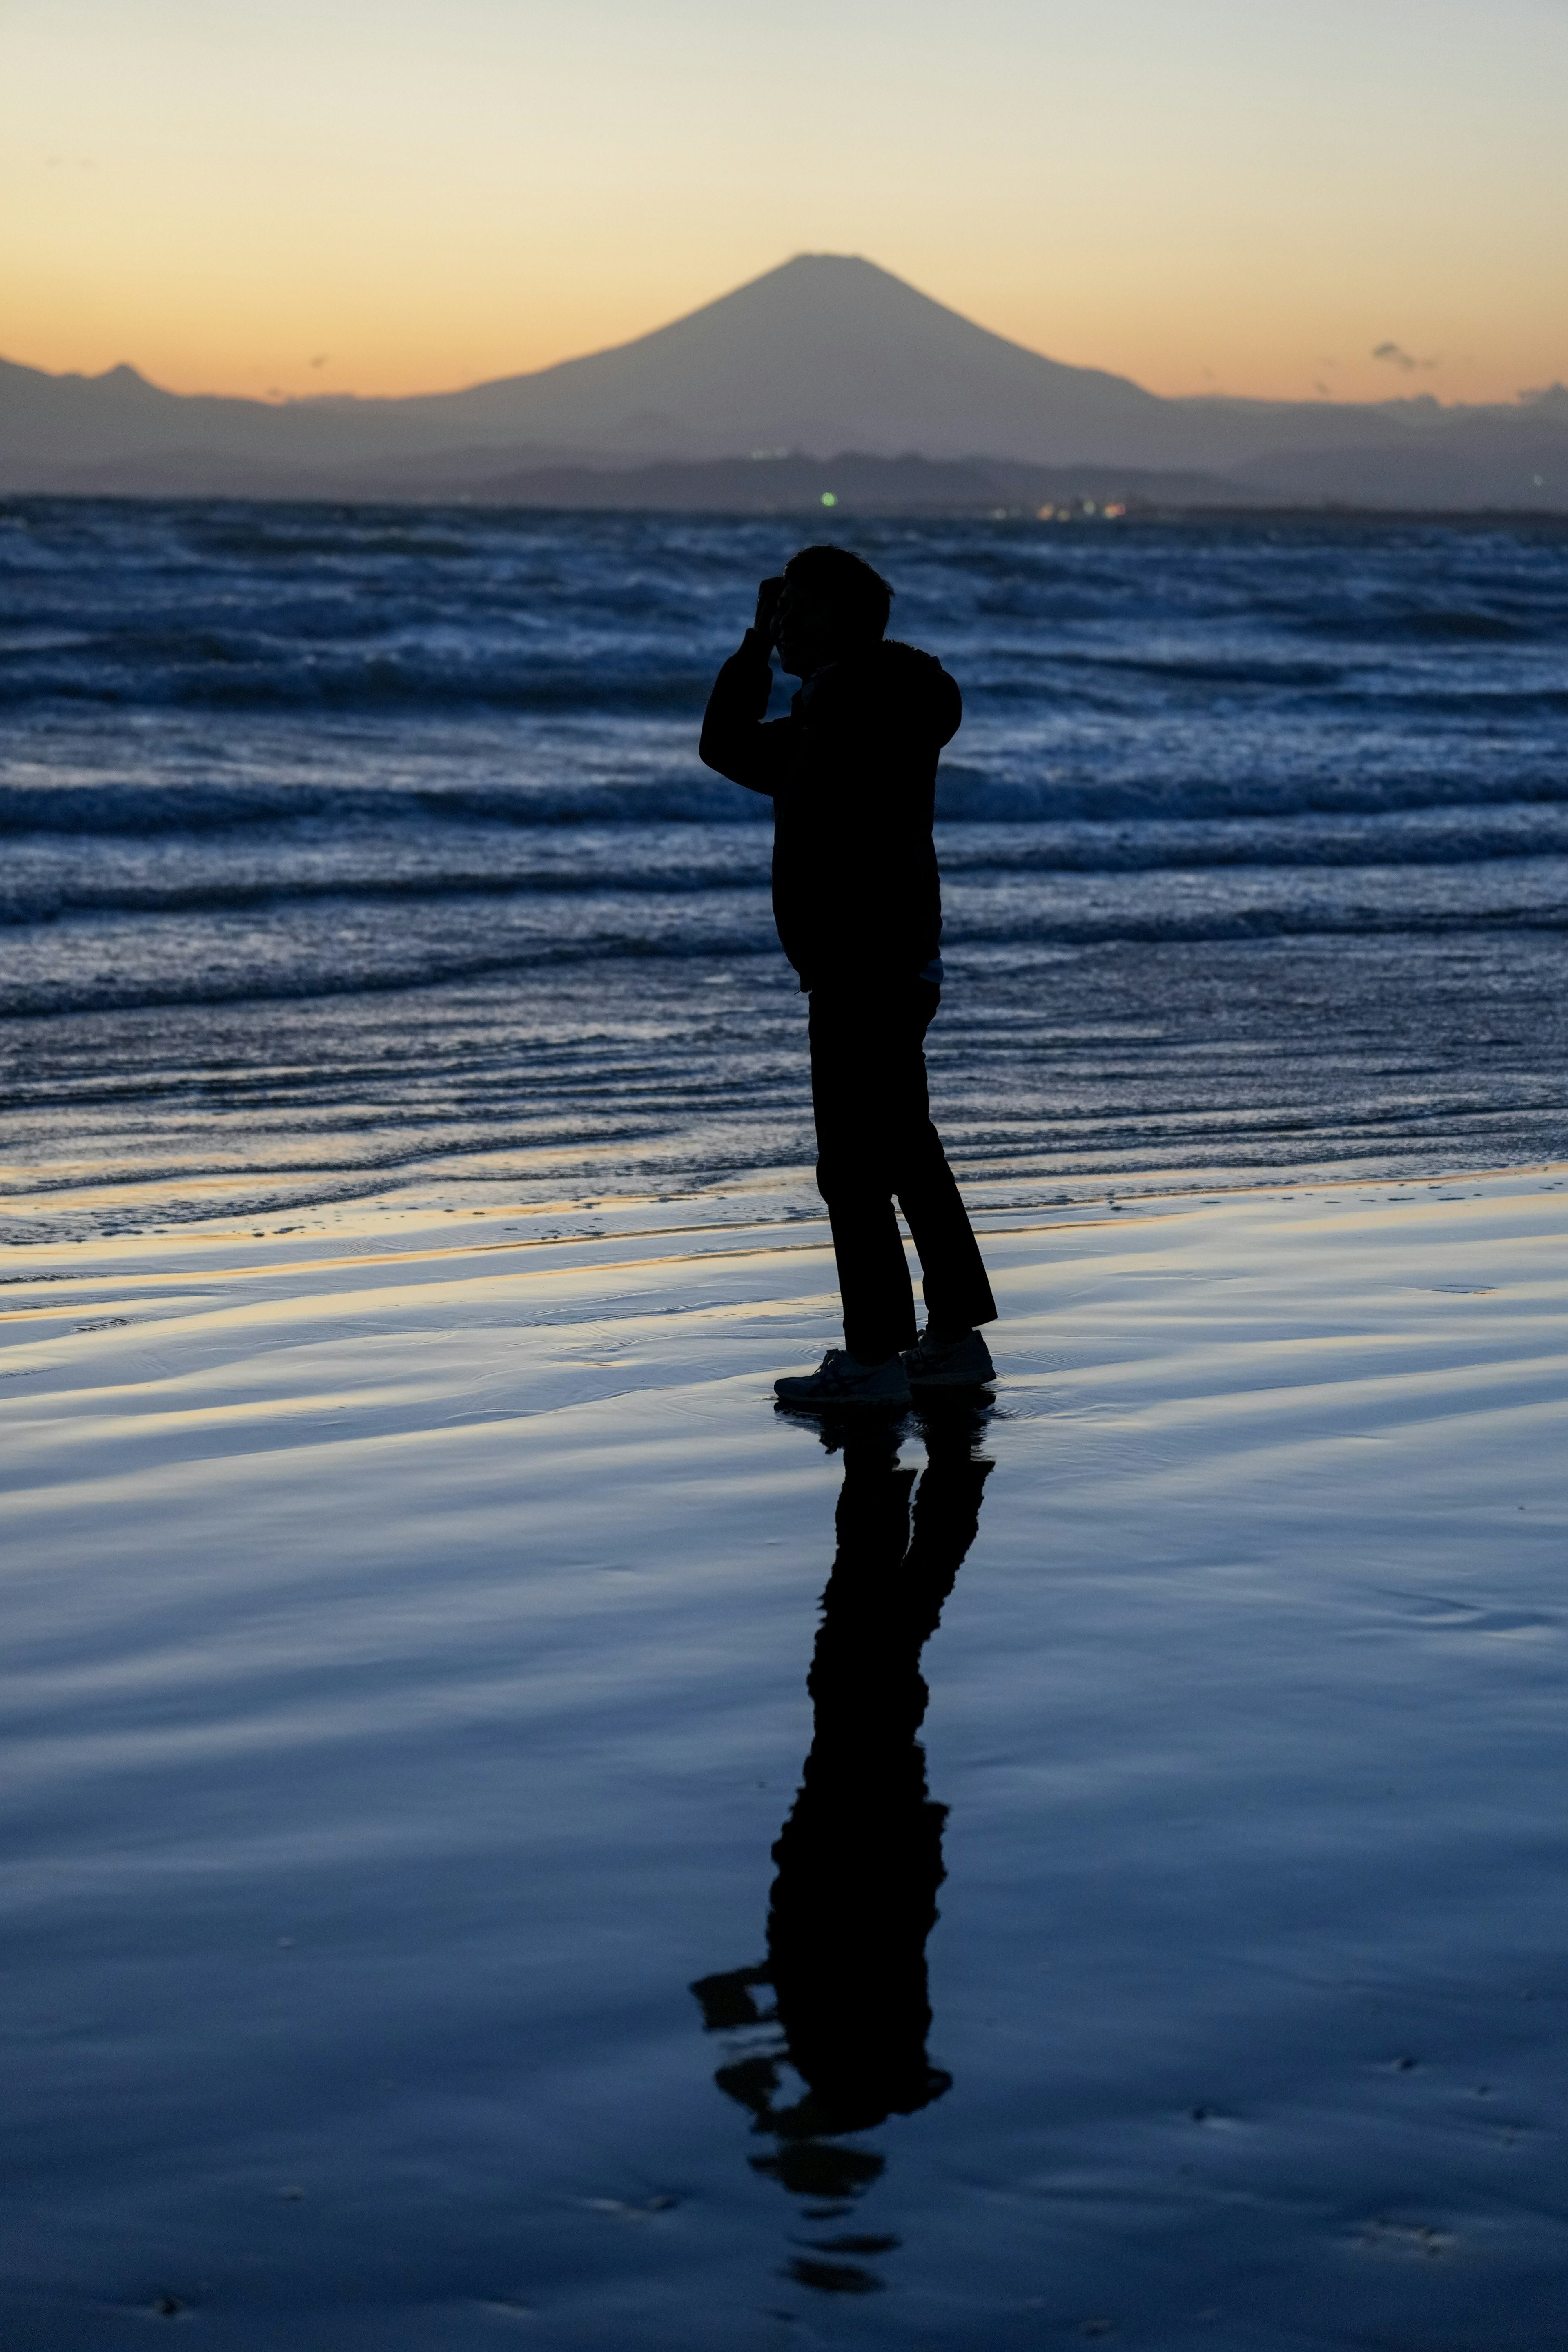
(842, 1378)
(949, 1363)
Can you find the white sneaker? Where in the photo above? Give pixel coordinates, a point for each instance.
(842, 1378)
(949, 1363)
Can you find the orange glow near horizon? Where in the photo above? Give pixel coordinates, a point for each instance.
(303, 199)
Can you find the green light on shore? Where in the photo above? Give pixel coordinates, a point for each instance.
(828, 500)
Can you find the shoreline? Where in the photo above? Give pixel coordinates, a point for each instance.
(1136, 510)
(767, 1201)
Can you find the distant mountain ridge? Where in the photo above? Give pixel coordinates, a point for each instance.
(826, 354)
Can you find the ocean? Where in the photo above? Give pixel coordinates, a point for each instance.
(511, 1834)
(361, 855)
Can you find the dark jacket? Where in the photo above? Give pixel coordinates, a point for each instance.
(852, 776)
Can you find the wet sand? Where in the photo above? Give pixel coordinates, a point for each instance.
(410, 1631)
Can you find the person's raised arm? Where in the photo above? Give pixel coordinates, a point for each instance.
(735, 741)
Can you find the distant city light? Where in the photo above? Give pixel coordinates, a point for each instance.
(1085, 510)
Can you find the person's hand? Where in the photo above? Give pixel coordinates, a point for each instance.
(766, 624)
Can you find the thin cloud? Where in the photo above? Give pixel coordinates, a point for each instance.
(1406, 361)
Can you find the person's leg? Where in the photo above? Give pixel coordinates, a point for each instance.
(857, 1089)
(957, 1293)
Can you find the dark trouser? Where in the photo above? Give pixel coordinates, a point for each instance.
(875, 1140)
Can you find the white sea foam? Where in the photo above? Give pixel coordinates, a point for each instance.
(381, 839)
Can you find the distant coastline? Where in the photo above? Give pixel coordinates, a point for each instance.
(882, 489)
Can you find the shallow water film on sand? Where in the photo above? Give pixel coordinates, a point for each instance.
(513, 1839)
(512, 1836)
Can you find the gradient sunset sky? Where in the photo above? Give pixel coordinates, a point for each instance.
(400, 195)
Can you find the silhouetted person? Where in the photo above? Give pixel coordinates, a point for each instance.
(851, 773)
(859, 1858)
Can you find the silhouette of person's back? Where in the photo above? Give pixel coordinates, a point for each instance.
(851, 773)
(859, 1858)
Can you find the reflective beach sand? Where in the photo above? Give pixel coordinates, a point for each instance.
(409, 1632)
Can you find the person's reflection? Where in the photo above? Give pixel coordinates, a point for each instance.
(859, 1858)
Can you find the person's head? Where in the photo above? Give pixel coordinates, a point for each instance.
(832, 604)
